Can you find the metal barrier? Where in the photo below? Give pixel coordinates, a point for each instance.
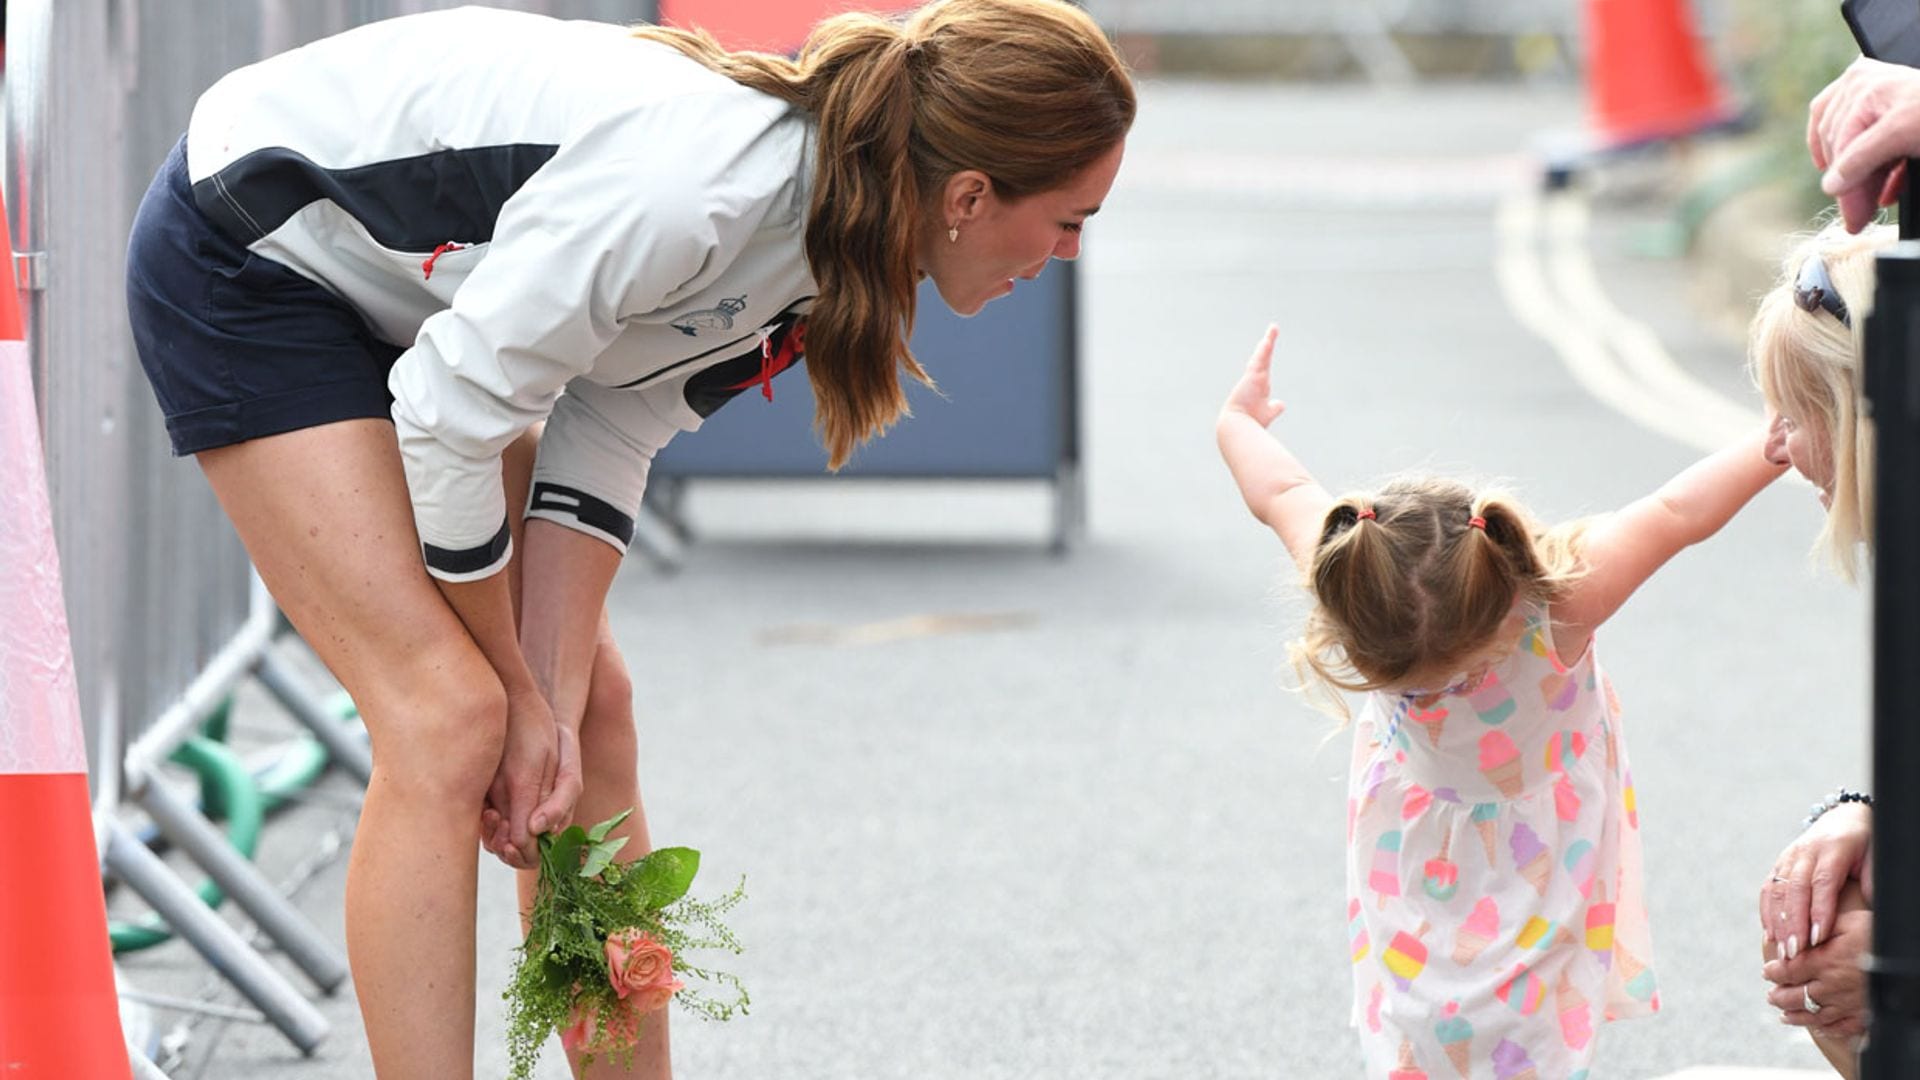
(165, 615)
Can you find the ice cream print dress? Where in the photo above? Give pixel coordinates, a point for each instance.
(1493, 872)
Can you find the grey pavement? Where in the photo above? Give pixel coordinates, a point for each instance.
(1104, 840)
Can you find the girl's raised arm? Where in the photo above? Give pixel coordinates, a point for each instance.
(1278, 489)
(1624, 548)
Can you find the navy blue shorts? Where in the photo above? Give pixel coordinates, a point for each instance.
(238, 346)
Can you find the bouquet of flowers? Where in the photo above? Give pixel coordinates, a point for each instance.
(607, 943)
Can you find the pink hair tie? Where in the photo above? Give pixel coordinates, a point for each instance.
(1477, 522)
(1366, 513)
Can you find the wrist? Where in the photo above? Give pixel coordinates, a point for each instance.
(1840, 796)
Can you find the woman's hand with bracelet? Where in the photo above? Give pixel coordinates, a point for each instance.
(1824, 989)
(1800, 899)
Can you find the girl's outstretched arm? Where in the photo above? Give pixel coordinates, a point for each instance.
(1277, 488)
(1624, 548)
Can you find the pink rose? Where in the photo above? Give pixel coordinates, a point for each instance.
(623, 1029)
(639, 966)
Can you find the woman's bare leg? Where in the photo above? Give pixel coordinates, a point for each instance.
(609, 753)
(610, 763)
(325, 515)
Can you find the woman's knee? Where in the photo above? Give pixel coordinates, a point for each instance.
(607, 739)
(441, 723)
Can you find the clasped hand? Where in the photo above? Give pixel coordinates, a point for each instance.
(1817, 923)
(537, 783)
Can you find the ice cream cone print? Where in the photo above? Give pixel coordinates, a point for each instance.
(1538, 871)
(1492, 702)
(1409, 1069)
(1510, 1062)
(1357, 931)
(1442, 876)
(1566, 801)
(1456, 1038)
(1370, 786)
(1434, 720)
(1629, 801)
(1531, 857)
(1637, 976)
(1560, 691)
(1374, 997)
(1579, 863)
(1500, 763)
(1385, 877)
(1477, 932)
(1613, 745)
(1416, 802)
(1523, 992)
(1576, 1015)
(1406, 957)
(1600, 926)
(1564, 749)
(1613, 700)
(1484, 819)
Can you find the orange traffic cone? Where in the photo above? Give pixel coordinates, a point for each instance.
(59, 1014)
(1647, 76)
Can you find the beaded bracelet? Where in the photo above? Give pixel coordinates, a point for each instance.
(1840, 795)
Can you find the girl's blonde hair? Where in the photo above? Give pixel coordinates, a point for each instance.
(1409, 586)
(1029, 92)
(1807, 365)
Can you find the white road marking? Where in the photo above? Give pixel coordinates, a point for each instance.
(1546, 273)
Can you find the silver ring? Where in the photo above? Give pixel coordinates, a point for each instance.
(1806, 998)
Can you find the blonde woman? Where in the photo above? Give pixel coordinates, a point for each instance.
(1805, 348)
(375, 266)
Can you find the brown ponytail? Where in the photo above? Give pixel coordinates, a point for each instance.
(1424, 584)
(1027, 91)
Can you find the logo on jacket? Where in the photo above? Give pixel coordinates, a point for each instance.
(719, 317)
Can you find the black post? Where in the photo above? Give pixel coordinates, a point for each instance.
(1892, 391)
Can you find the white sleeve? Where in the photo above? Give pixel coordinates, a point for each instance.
(604, 231)
(594, 458)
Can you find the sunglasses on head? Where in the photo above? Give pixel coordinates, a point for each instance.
(1814, 291)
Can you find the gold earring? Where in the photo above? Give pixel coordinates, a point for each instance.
(953, 234)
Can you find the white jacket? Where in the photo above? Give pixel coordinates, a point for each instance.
(612, 220)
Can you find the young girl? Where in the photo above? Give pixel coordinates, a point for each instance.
(1493, 869)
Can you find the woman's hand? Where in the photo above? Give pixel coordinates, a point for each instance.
(1828, 976)
(536, 785)
(1860, 131)
(1799, 899)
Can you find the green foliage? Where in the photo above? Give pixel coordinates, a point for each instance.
(582, 898)
(1787, 50)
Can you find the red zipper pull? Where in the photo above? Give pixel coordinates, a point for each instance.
(426, 268)
(766, 363)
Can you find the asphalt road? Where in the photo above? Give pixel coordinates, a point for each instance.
(1099, 838)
